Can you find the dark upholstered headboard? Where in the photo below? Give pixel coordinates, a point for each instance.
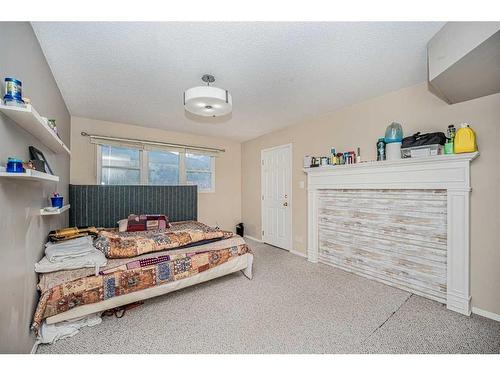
(104, 205)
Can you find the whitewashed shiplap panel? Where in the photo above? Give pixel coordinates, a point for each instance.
(394, 236)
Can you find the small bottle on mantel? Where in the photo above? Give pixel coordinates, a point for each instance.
(358, 156)
(333, 156)
(380, 149)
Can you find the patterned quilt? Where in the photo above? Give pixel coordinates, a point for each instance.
(130, 244)
(136, 274)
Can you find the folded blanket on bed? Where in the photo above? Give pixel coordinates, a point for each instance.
(71, 254)
(68, 249)
(116, 244)
(93, 259)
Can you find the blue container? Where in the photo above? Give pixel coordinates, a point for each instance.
(394, 133)
(57, 202)
(14, 165)
(13, 90)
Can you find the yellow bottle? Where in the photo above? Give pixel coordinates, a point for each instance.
(465, 140)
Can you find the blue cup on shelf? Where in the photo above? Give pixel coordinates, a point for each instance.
(57, 202)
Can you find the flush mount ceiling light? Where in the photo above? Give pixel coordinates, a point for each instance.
(207, 100)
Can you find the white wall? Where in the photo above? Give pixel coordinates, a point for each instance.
(360, 125)
(22, 230)
(221, 208)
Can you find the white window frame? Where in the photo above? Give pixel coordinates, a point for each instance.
(144, 165)
(184, 173)
(99, 164)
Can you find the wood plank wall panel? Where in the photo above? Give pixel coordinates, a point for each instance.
(397, 237)
(104, 205)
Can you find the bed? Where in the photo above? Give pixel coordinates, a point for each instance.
(141, 265)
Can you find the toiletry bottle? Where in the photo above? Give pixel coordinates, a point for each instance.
(448, 146)
(333, 156)
(451, 132)
(341, 158)
(465, 140)
(380, 149)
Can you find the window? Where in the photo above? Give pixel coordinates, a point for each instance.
(163, 168)
(199, 171)
(118, 165)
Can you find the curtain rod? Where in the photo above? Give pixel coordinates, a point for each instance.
(132, 140)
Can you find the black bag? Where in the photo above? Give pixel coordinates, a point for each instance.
(240, 229)
(418, 139)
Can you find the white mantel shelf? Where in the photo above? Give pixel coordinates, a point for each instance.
(434, 172)
(431, 160)
(447, 172)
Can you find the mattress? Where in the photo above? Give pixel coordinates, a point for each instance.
(76, 293)
(241, 263)
(52, 279)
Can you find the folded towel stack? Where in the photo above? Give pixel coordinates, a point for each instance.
(69, 255)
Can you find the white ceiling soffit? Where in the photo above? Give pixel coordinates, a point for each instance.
(278, 73)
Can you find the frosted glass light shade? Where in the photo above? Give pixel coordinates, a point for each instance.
(208, 101)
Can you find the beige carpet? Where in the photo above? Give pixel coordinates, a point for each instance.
(291, 306)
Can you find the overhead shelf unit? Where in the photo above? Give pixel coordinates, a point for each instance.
(29, 119)
(55, 212)
(30, 175)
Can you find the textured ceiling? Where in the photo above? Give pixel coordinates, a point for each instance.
(278, 73)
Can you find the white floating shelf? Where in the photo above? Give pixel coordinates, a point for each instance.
(30, 175)
(29, 119)
(56, 212)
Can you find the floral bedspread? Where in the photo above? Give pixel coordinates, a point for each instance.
(116, 244)
(135, 275)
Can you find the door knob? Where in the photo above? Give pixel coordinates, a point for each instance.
(285, 204)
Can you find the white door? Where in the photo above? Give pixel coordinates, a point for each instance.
(276, 177)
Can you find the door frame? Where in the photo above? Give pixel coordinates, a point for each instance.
(290, 199)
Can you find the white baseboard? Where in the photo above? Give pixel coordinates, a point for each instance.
(291, 251)
(486, 314)
(297, 253)
(253, 238)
